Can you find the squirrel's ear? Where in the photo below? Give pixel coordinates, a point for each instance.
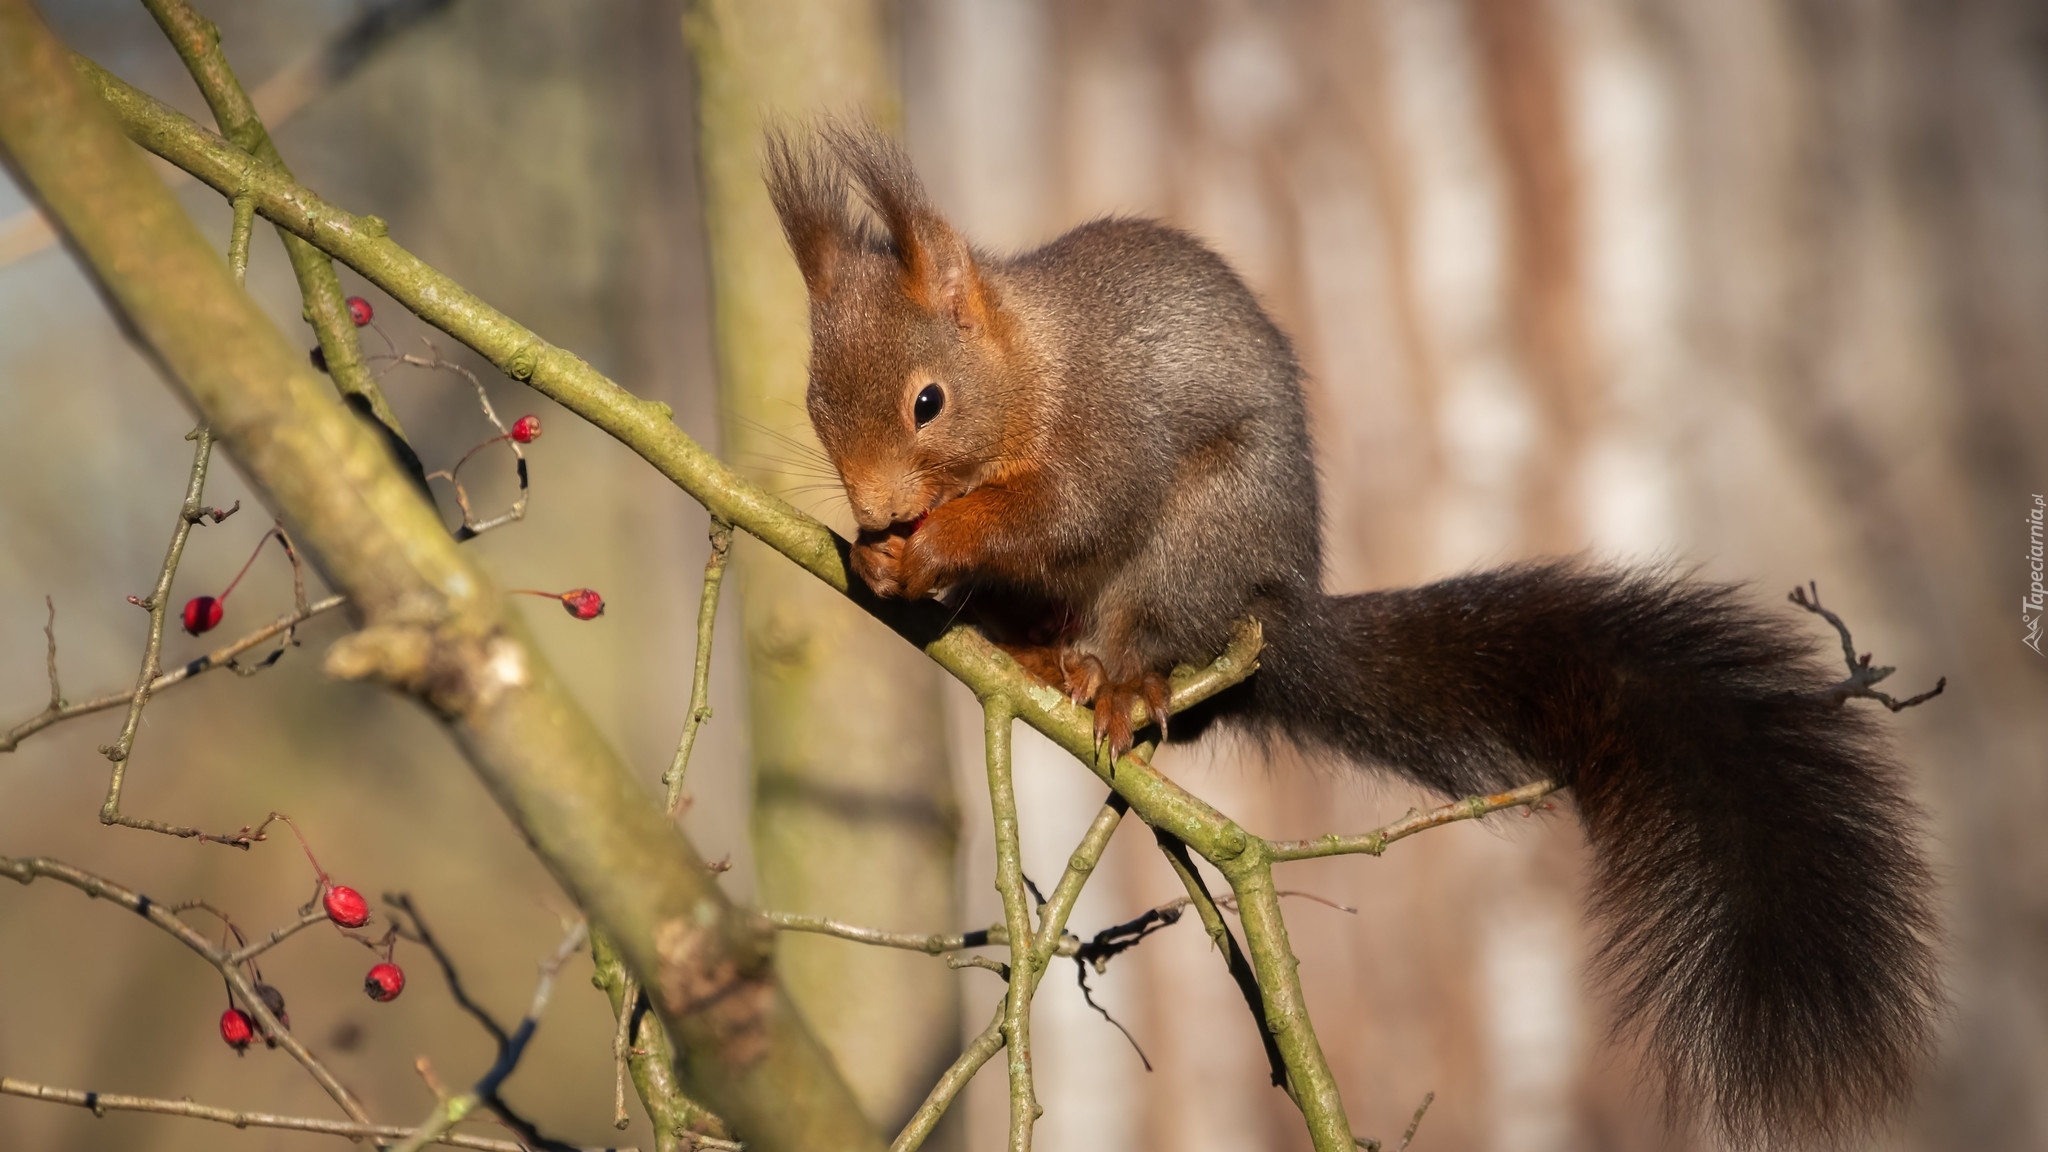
(937, 265)
(809, 192)
(941, 275)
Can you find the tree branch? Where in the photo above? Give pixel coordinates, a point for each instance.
(1375, 842)
(700, 677)
(1024, 1108)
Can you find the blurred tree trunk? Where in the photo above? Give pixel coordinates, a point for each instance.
(854, 814)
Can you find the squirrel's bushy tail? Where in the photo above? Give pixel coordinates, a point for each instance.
(1765, 909)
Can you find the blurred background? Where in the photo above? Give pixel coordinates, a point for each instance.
(1753, 285)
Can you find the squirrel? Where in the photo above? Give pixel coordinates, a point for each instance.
(1102, 443)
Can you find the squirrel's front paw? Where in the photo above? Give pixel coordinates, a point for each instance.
(878, 560)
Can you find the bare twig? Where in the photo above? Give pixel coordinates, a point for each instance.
(472, 527)
(28, 870)
(511, 1047)
(1375, 842)
(222, 657)
(101, 1103)
(420, 934)
(308, 916)
(157, 603)
(1088, 994)
(700, 677)
(1862, 677)
(50, 634)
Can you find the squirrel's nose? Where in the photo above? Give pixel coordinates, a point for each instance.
(871, 513)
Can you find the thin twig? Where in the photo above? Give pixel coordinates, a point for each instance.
(1088, 994)
(101, 1103)
(191, 512)
(1375, 842)
(472, 527)
(420, 934)
(700, 677)
(1862, 677)
(308, 916)
(222, 657)
(1017, 918)
(50, 634)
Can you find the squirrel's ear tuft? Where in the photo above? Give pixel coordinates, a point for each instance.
(809, 192)
(937, 265)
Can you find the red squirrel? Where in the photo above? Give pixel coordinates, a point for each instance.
(1102, 445)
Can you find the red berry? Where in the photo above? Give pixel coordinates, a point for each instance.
(346, 906)
(202, 614)
(359, 310)
(384, 982)
(526, 429)
(583, 603)
(236, 1029)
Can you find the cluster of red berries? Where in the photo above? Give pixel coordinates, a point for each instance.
(347, 909)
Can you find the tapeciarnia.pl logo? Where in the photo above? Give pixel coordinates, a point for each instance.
(2036, 599)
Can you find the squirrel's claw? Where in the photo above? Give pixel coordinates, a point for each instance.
(1157, 696)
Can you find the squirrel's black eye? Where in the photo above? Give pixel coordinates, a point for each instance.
(928, 405)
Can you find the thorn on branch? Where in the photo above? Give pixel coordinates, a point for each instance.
(1863, 676)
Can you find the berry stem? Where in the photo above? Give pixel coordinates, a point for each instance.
(310, 858)
(247, 564)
